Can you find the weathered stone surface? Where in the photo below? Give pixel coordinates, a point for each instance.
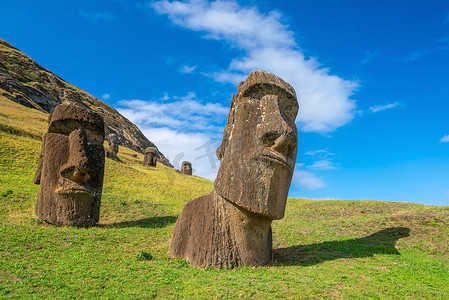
(150, 157)
(186, 168)
(71, 167)
(232, 225)
(24, 81)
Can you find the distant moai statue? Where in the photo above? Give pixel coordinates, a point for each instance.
(186, 168)
(111, 153)
(232, 225)
(71, 167)
(150, 157)
(113, 142)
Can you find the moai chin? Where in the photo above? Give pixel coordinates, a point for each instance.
(186, 168)
(150, 157)
(70, 170)
(232, 225)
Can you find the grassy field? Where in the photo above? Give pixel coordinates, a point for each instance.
(323, 249)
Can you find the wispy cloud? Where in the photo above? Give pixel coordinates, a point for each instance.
(443, 43)
(445, 139)
(307, 180)
(267, 43)
(165, 97)
(187, 69)
(98, 16)
(322, 165)
(369, 56)
(324, 160)
(106, 96)
(447, 18)
(412, 56)
(185, 113)
(378, 108)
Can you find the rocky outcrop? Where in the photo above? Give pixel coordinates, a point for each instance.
(24, 81)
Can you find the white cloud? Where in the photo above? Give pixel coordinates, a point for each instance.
(322, 153)
(177, 146)
(186, 113)
(322, 165)
(165, 97)
(106, 96)
(378, 108)
(187, 69)
(306, 179)
(182, 129)
(98, 16)
(324, 160)
(266, 43)
(445, 139)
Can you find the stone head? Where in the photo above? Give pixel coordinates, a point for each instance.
(71, 167)
(150, 157)
(186, 168)
(258, 151)
(113, 142)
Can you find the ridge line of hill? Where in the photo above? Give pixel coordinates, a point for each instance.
(24, 81)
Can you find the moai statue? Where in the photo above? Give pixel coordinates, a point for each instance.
(113, 142)
(186, 168)
(232, 225)
(111, 153)
(71, 167)
(150, 157)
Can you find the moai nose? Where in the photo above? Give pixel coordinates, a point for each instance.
(275, 132)
(77, 168)
(284, 142)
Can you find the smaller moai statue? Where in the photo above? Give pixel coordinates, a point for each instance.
(150, 158)
(111, 153)
(186, 168)
(113, 142)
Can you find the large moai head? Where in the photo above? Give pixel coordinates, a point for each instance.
(186, 168)
(113, 142)
(258, 150)
(150, 157)
(71, 167)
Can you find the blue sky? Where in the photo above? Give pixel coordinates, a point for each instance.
(372, 80)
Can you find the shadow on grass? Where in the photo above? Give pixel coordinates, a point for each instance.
(381, 242)
(154, 222)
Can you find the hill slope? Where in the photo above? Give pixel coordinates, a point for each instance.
(323, 249)
(24, 81)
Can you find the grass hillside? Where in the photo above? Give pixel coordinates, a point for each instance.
(323, 249)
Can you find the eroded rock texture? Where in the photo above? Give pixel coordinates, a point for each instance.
(150, 157)
(186, 168)
(71, 167)
(232, 225)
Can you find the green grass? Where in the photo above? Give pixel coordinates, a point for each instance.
(323, 249)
